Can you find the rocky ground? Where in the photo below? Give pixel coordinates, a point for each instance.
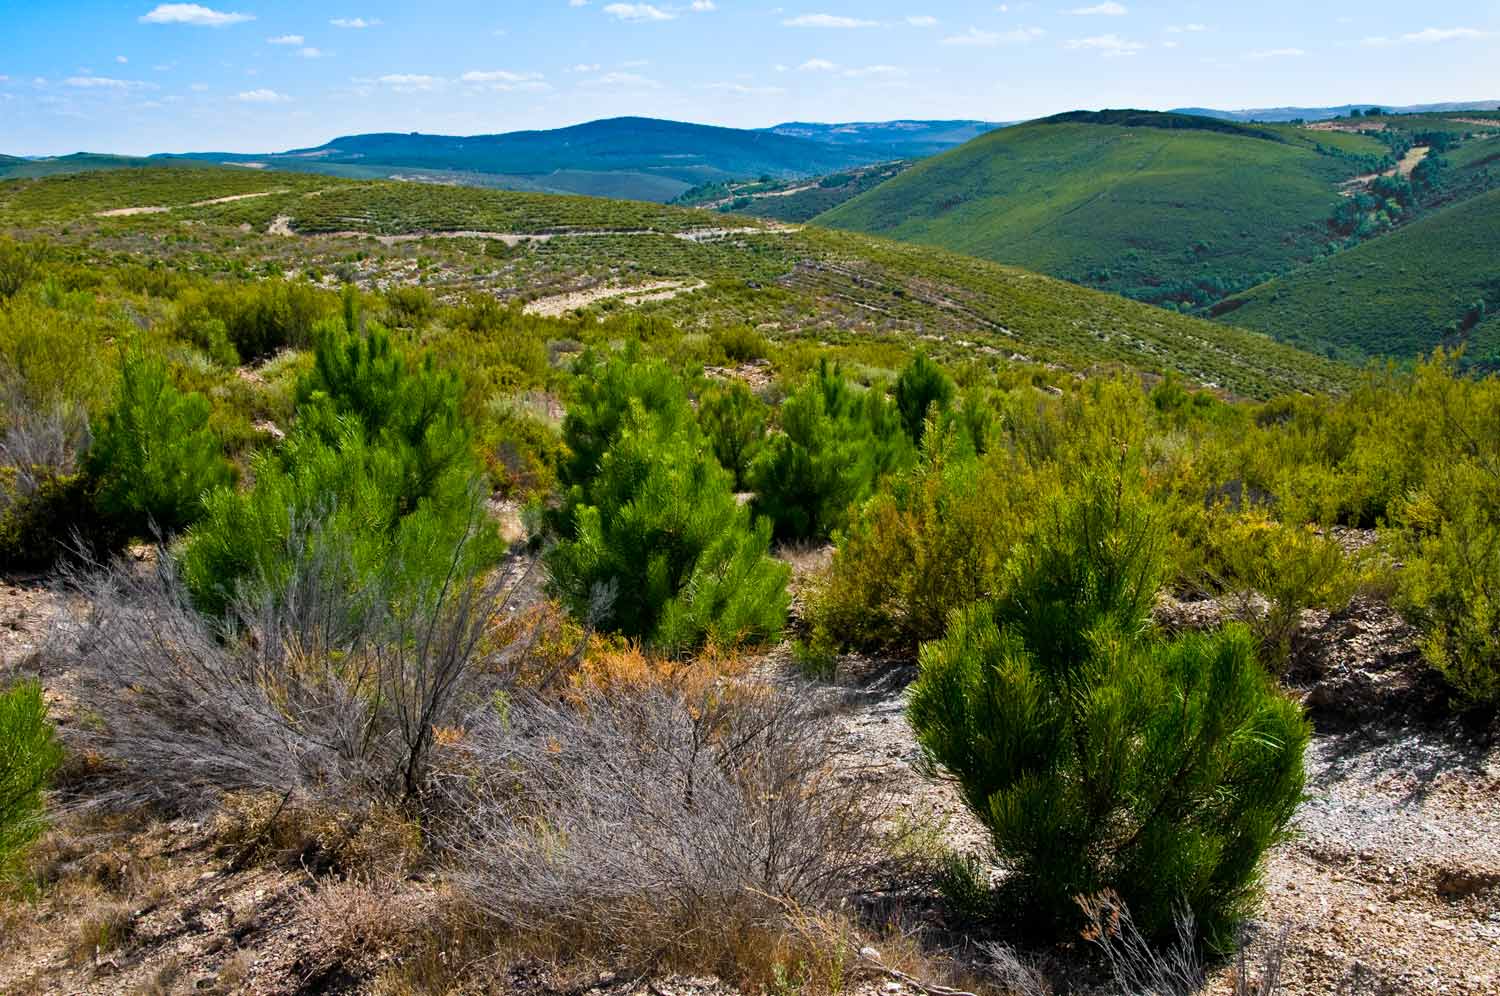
(1391, 883)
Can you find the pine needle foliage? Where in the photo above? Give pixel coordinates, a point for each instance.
(921, 386)
(29, 754)
(154, 456)
(656, 525)
(380, 454)
(835, 443)
(1100, 755)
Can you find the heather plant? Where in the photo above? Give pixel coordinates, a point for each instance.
(937, 540)
(1099, 754)
(154, 457)
(29, 754)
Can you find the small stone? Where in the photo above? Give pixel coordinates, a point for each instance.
(869, 954)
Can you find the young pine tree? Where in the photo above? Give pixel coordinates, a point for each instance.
(154, 457)
(29, 754)
(1100, 755)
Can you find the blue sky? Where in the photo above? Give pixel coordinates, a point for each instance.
(266, 75)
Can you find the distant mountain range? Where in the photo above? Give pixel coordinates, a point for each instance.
(639, 158)
(1284, 114)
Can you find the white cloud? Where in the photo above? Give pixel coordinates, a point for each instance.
(121, 59)
(622, 81)
(195, 14)
(1101, 10)
(826, 21)
(922, 21)
(410, 82)
(584, 67)
(261, 96)
(637, 12)
(1428, 36)
(286, 40)
(1112, 45)
(504, 81)
(818, 66)
(976, 38)
(1182, 29)
(311, 53)
(578, 3)
(1276, 53)
(106, 83)
(703, 6)
(354, 23)
(745, 90)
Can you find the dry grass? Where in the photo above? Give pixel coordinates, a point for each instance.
(255, 827)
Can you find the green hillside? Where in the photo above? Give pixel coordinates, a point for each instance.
(791, 200)
(1399, 295)
(866, 296)
(1163, 208)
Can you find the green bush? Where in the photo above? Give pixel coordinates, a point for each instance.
(937, 541)
(259, 318)
(1099, 755)
(15, 268)
(734, 420)
(659, 549)
(834, 445)
(29, 754)
(154, 456)
(378, 469)
(42, 515)
(921, 386)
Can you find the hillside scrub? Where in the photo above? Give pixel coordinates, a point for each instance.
(1099, 755)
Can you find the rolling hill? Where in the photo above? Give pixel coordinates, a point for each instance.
(1287, 114)
(911, 139)
(1158, 207)
(700, 269)
(635, 158)
(1401, 295)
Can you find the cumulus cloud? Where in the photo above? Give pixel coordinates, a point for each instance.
(637, 12)
(1101, 10)
(354, 23)
(194, 14)
(922, 21)
(1428, 36)
(505, 81)
(286, 40)
(106, 83)
(827, 21)
(261, 96)
(1108, 44)
(977, 38)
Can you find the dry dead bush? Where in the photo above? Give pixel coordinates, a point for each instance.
(99, 929)
(307, 690)
(255, 827)
(665, 826)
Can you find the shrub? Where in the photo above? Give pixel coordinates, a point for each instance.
(1099, 755)
(938, 540)
(833, 446)
(1292, 568)
(328, 682)
(734, 420)
(659, 529)
(15, 268)
(29, 754)
(45, 502)
(154, 457)
(665, 827)
(258, 318)
(921, 387)
(605, 393)
(741, 343)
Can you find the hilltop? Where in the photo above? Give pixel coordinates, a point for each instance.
(1158, 207)
(795, 283)
(1289, 114)
(635, 158)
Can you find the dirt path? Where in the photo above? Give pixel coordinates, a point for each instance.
(562, 304)
(282, 225)
(130, 211)
(1411, 160)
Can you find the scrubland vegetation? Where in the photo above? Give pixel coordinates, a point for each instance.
(291, 609)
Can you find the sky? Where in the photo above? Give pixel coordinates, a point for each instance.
(270, 75)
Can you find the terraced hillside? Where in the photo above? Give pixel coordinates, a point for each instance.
(1434, 282)
(795, 284)
(1164, 208)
